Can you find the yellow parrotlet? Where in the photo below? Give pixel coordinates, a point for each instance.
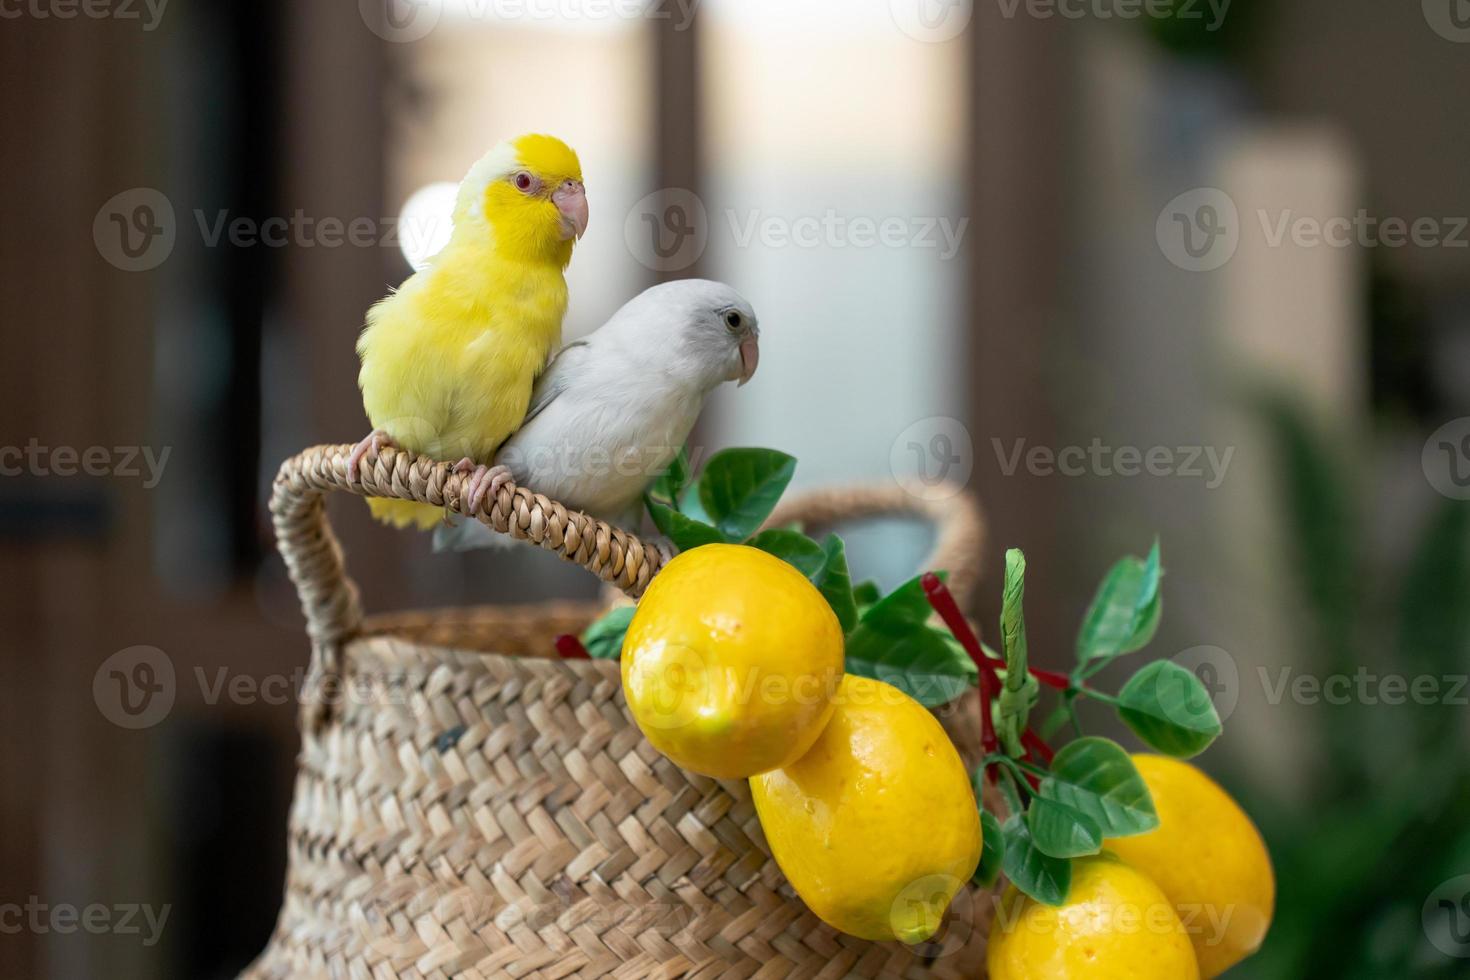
(448, 360)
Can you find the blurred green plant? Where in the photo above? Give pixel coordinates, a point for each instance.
(1383, 817)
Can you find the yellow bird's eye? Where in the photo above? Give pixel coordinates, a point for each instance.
(526, 182)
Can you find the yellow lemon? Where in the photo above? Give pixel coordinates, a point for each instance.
(731, 660)
(1115, 925)
(1208, 858)
(876, 827)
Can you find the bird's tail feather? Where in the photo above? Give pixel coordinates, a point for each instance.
(406, 513)
(463, 534)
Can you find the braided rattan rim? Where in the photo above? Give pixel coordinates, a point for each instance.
(329, 597)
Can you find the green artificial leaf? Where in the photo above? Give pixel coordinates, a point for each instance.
(1044, 878)
(794, 548)
(1060, 831)
(835, 582)
(906, 605)
(1124, 614)
(686, 532)
(740, 487)
(1167, 706)
(670, 484)
(893, 643)
(866, 593)
(916, 659)
(692, 508)
(992, 851)
(1094, 775)
(1020, 691)
(604, 638)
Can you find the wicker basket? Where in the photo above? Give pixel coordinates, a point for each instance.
(468, 806)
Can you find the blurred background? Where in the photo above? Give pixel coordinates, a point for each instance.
(1188, 269)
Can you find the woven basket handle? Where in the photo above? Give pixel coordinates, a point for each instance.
(329, 597)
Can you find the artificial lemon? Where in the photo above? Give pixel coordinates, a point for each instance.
(876, 827)
(731, 660)
(1208, 858)
(1115, 925)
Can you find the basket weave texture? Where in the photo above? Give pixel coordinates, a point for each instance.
(469, 806)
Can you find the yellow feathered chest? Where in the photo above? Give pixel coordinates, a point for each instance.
(449, 360)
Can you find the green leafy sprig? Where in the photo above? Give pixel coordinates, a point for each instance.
(1065, 806)
(1060, 805)
(888, 638)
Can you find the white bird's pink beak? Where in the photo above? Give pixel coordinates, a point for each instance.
(750, 358)
(571, 200)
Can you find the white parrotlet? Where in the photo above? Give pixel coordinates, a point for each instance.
(613, 409)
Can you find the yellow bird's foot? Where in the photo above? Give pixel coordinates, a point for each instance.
(487, 480)
(375, 441)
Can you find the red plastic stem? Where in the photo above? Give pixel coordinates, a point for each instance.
(1037, 748)
(568, 647)
(1059, 681)
(944, 603)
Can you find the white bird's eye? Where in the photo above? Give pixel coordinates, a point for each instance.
(524, 182)
(733, 320)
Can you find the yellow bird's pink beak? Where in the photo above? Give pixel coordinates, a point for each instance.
(571, 200)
